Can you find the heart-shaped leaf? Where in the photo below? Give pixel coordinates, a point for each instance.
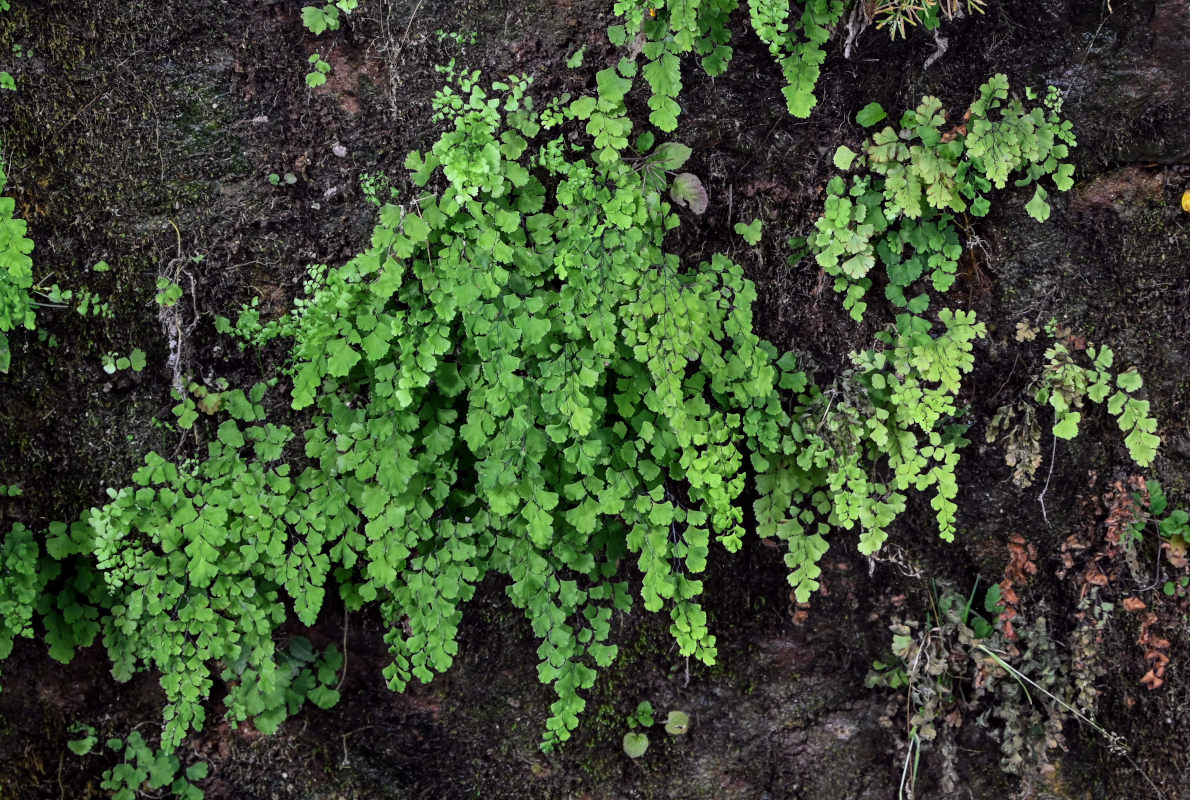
(635, 744)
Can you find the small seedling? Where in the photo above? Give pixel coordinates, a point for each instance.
(168, 293)
(142, 764)
(458, 37)
(85, 743)
(750, 232)
(642, 717)
(113, 362)
(317, 77)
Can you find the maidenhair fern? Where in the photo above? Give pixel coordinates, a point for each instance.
(894, 413)
(21, 584)
(1064, 385)
(16, 273)
(16, 268)
(516, 379)
(899, 207)
(796, 37)
(670, 29)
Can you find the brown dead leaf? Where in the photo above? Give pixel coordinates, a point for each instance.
(1133, 604)
(1175, 551)
(801, 613)
(1021, 557)
(1159, 659)
(1151, 681)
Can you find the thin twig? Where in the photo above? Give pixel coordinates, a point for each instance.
(405, 36)
(1079, 69)
(1041, 497)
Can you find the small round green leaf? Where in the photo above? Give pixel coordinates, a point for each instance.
(678, 723)
(635, 744)
(1037, 207)
(750, 232)
(870, 114)
(844, 156)
(197, 771)
(83, 745)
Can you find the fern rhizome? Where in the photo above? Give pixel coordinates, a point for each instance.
(517, 379)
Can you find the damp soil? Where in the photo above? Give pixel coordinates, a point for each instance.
(144, 134)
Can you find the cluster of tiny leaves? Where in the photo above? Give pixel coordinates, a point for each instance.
(143, 766)
(893, 414)
(889, 416)
(514, 378)
(907, 185)
(16, 273)
(16, 267)
(21, 585)
(670, 28)
(517, 378)
(194, 565)
(1065, 384)
(801, 56)
(195, 558)
(34, 586)
(1171, 524)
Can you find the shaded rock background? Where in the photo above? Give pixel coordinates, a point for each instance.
(143, 134)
